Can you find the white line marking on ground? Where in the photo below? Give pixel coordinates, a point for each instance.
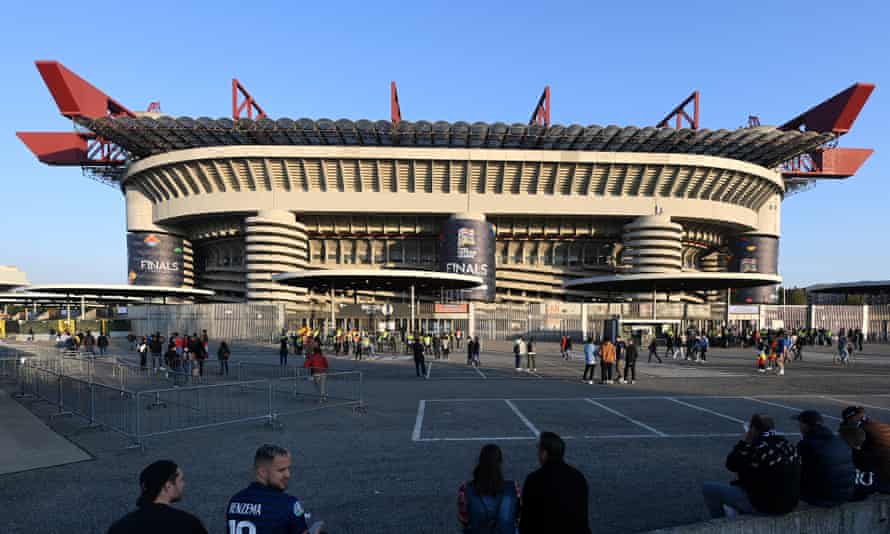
(497, 438)
(712, 412)
(421, 408)
(480, 373)
(854, 403)
(644, 397)
(785, 406)
(429, 369)
(524, 419)
(593, 437)
(628, 418)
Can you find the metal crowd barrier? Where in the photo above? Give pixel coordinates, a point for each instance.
(77, 387)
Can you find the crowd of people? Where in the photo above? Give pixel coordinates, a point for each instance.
(553, 498)
(824, 469)
(81, 342)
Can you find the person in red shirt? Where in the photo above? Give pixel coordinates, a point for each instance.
(318, 368)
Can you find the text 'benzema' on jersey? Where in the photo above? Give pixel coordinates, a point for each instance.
(259, 509)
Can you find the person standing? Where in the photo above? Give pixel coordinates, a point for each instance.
(653, 351)
(589, 361)
(265, 507)
(620, 355)
(568, 348)
(477, 348)
(554, 497)
(630, 362)
(562, 346)
(703, 344)
(156, 345)
(419, 361)
(519, 351)
(205, 341)
(470, 352)
(102, 343)
(282, 350)
(142, 350)
(223, 353)
(531, 354)
(162, 483)
(607, 360)
(488, 503)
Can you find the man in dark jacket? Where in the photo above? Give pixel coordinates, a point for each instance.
(827, 472)
(419, 360)
(768, 469)
(630, 363)
(554, 498)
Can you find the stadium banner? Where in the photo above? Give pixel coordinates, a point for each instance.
(154, 259)
(467, 247)
(451, 308)
(755, 254)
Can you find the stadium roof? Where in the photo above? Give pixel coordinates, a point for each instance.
(377, 280)
(144, 136)
(672, 281)
(100, 291)
(862, 287)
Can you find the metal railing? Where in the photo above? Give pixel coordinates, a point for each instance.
(103, 394)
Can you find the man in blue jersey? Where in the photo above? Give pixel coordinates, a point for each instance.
(264, 507)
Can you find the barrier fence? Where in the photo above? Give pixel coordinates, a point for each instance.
(140, 403)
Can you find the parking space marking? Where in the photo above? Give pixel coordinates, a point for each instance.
(699, 408)
(480, 373)
(627, 418)
(524, 419)
(852, 403)
(418, 423)
(791, 408)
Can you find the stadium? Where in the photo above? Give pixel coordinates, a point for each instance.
(539, 211)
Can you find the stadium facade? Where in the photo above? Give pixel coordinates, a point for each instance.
(226, 204)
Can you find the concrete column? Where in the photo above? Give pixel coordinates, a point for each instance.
(471, 319)
(583, 321)
(865, 321)
(811, 316)
(274, 243)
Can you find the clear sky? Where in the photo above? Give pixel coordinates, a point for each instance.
(606, 62)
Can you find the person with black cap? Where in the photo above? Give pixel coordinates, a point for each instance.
(768, 470)
(162, 484)
(827, 473)
(871, 451)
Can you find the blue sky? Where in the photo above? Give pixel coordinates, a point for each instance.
(616, 62)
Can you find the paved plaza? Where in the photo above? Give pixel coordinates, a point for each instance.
(645, 448)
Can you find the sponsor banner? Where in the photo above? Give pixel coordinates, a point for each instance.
(755, 254)
(739, 309)
(450, 308)
(154, 259)
(467, 247)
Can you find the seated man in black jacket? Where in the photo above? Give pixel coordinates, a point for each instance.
(827, 472)
(768, 469)
(554, 498)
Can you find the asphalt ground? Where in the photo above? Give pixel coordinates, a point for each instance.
(645, 448)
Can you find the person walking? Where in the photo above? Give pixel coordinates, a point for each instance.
(607, 360)
(590, 350)
(488, 503)
(530, 355)
(419, 361)
(554, 497)
(630, 362)
(470, 352)
(265, 507)
(223, 354)
(563, 341)
(653, 351)
(318, 368)
(162, 483)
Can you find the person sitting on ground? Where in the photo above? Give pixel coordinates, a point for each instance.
(768, 470)
(874, 453)
(264, 507)
(554, 498)
(488, 503)
(827, 472)
(162, 484)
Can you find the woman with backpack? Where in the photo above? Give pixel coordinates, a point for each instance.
(488, 504)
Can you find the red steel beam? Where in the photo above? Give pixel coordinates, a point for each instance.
(836, 163)
(72, 148)
(541, 114)
(835, 115)
(395, 110)
(680, 113)
(76, 97)
(249, 104)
